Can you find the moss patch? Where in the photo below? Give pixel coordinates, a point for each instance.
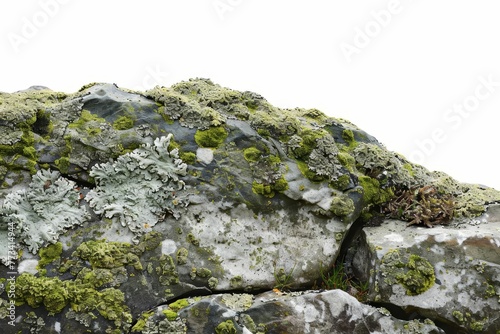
(123, 123)
(413, 272)
(212, 137)
(226, 327)
(252, 154)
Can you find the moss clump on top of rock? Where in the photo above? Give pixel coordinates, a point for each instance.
(213, 137)
(123, 123)
(252, 154)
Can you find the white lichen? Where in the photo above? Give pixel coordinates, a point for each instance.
(140, 187)
(39, 214)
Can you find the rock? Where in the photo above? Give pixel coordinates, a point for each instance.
(115, 202)
(449, 274)
(275, 312)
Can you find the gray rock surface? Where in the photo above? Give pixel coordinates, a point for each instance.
(450, 274)
(117, 206)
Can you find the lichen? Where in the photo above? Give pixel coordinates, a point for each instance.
(342, 206)
(413, 272)
(55, 295)
(45, 210)
(182, 255)
(237, 302)
(106, 254)
(140, 187)
(49, 254)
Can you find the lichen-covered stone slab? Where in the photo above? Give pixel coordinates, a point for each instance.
(450, 274)
(333, 312)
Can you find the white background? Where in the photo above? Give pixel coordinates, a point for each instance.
(397, 69)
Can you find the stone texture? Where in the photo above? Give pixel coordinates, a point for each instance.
(275, 312)
(463, 285)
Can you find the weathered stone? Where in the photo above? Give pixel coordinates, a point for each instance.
(450, 274)
(275, 312)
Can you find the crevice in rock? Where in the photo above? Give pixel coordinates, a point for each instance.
(79, 182)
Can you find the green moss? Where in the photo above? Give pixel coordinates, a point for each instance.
(280, 184)
(30, 152)
(123, 123)
(264, 132)
(49, 254)
(347, 161)
(490, 291)
(409, 168)
(252, 154)
(348, 136)
(304, 169)
(308, 143)
(63, 164)
(372, 192)
(262, 189)
(212, 137)
(342, 182)
(226, 327)
(171, 315)
(54, 295)
(188, 157)
(477, 326)
(85, 117)
(179, 304)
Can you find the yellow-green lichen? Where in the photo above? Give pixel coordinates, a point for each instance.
(105, 254)
(141, 322)
(413, 272)
(49, 254)
(54, 295)
(342, 206)
(236, 281)
(182, 255)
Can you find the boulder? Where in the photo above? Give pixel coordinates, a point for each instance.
(449, 273)
(116, 204)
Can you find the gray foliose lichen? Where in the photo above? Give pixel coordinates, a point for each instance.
(41, 213)
(140, 187)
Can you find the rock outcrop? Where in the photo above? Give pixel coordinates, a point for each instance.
(180, 210)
